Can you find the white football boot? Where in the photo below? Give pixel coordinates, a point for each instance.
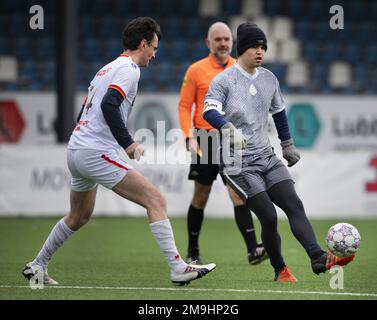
(30, 271)
(192, 272)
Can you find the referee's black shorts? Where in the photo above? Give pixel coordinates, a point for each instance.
(206, 168)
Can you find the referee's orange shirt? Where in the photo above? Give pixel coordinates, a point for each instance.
(194, 88)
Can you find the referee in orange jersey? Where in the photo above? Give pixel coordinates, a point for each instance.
(194, 88)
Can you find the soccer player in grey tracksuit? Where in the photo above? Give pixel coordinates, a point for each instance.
(238, 103)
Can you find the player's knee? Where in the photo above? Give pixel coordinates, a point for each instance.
(201, 197)
(157, 201)
(269, 220)
(237, 201)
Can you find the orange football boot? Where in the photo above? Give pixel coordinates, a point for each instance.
(284, 275)
(333, 260)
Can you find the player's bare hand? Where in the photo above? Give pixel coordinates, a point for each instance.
(135, 151)
(192, 145)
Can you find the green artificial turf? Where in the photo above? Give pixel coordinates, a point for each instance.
(117, 258)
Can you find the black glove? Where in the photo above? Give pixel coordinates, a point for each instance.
(290, 152)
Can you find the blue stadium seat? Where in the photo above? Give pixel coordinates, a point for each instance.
(188, 8)
(48, 73)
(273, 7)
(172, 28)
(87, 26)
(109, 26)
(194, 29)
(231, 7)
(310, 51)
(18, 25)
(34, 86)
(278, 70)
(45, 48)
(295, 8)
(113, 47)
(365, 32)
(371, 54)
(351, 51)
(318, 76)
(23, 47)
(90, 49)
(181, 69)
(28, 70)
(162, 52)
(93, 67)
(330, 52)
(302, 30)
(180, 49)
(5, 46)
(10, 86)
(199, 50)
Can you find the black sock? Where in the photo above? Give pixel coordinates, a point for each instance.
(245, 224)
(194, 223)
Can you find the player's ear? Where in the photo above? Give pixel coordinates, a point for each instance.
(207, 43)
(143, 44)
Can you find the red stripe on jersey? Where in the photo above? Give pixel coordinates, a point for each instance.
(113, 162)
(117, 88)
(124, 55)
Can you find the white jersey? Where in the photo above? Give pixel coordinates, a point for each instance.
(92, 131)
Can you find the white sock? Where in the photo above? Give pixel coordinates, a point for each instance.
(55, 239)
(163, 234)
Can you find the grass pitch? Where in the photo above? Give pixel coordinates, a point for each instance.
(117, 258)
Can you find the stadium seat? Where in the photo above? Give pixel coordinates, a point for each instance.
(23, 47)
(172, 28)
(302, 30)
(5, 46)
(194, 29)
(48, 73)
(339, 74)
(90, 48)
(209, 8)
(45, 48)
(281, 28)
(8, 68)
(371, 54)
(297, 74)
(278, 70)
(87, 26)
(310, 51)
(199, 50)
(272, 52)
(251, 8)
(231, 7)
(180, 49)
(110, 26)
(113, 47)
(289, 50)
(28, 70)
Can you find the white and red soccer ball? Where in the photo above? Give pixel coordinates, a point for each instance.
(343, 239)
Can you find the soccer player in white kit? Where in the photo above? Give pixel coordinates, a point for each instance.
(93, 156)
(238, 103)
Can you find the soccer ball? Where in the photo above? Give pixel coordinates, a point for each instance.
(343, 239)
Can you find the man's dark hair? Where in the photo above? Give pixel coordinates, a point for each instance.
(139, 29)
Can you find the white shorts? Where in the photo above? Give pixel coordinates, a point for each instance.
(89, 167)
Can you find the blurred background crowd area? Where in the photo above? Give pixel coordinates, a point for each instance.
(306, 55)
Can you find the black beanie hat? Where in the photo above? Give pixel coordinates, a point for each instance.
(249, 35)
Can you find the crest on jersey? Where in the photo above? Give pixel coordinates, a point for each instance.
(253, 90)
